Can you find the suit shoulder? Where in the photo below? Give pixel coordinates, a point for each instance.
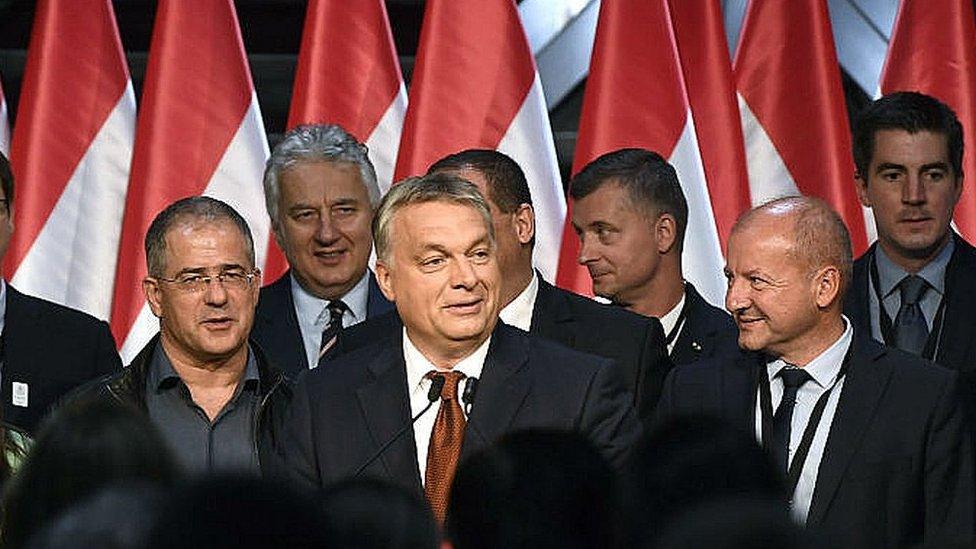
(56, 314)
(274, 294)
(347, 370)
(550, 358)
(605, 314)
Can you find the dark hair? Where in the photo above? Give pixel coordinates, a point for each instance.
(537, 489)
(237, 512)
(82, 447)
(650, 181)
(7, 180)
(350, 517)
(912, 112)
(197, 208)
(507, 186)
(691, 460)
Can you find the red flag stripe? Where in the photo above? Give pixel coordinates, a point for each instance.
(933, 50)
(69, 82)
(197, 90)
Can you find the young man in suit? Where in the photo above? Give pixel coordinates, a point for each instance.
(530, 303)
(437, 261)
(46, 349)
(630, 215)
(320, 189)
(908, 151)
(872, 441)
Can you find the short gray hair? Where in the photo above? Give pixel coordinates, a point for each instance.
(195, 209)
(436, 187)
(316, 143)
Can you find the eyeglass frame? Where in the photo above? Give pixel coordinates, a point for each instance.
(206, 279)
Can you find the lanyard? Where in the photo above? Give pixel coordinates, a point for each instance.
(677, 324)
(887, 329)
(766, 408)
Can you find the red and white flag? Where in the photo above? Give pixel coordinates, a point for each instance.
(71, 150)
(933, 51)
(199, 133)
(348, 74)
(475, 85)
(4, 125)
(793, 113)
(635, 97)
(707, 68)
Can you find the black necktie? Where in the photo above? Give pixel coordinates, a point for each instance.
(793, 379)
(331, 332)
(911, 330)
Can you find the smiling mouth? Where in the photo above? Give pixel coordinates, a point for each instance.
(221, 322)
(467, 307)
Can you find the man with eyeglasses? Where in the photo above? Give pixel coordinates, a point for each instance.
(208, 390)
(46, 349)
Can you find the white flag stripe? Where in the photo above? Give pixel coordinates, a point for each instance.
(769, 178)
(72, 260)
(385, 139)
(529, 142)
(701, 258)
(4, 127)
(237, 181)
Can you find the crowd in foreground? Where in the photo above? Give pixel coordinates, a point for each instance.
(451, 396)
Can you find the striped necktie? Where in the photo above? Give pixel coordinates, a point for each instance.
(331, 332)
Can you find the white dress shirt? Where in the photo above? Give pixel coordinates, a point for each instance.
(669, 320)
(518, 313)
(824, 370)
(417, 367)
(313, 313)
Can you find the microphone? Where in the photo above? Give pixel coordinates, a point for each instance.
(467, 396)
(433, 395)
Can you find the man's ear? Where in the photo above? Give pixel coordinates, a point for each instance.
(524, 219)
(665, 232)
(828, 282)
(154, 296)
(861, 186)
(383, 279)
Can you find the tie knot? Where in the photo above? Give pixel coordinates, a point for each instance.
(912, 288)
(451, 380)
(794, 378)
(336, 309)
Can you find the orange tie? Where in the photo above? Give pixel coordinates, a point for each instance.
(445, 445)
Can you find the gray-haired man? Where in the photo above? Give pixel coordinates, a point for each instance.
(320, 190)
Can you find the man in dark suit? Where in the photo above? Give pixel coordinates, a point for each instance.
(354, 417)
(871, 441)
(530, 303)
(321, 190)
(46, 349)
(630, 214)
(908, 151)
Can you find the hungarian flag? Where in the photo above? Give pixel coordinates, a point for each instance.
(636, 97)
(71, 150)
(933, 51)
(4, 125)
(199, 132)
(348, 74)
(793, 113)
(475, 85)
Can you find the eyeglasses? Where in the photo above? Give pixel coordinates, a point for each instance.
(196, 282)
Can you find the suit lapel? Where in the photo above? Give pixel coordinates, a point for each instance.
(284, 337)
(503, 386)
(858, 307)
(739, 389)
(695, 339)
(863, 388)
(385, 405)
(552, 317)
(956, 340)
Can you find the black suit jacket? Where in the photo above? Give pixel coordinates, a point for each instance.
(276, 323)
(343, 413)
(957, 348)
(708, 331)
(898, 465)
(52, 349)
(634, 342)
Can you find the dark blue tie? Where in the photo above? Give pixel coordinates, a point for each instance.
(793, 379)
(331, 332)
(911, 330)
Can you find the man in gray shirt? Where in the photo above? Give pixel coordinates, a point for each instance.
(208, 390)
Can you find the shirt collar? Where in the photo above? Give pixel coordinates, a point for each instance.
(890, 274)
(3, 303)
(825, 367)
(418, 366)
(311, 309)
(161, 369)
(671, 318)
(518, 313)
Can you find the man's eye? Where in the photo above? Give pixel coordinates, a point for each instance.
(303, 215)
(935, 175)
(891, 176)
(433, 262)
(480, 256)
(190, 279)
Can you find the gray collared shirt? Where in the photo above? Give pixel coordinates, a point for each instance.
(313, 313)
(890, 275)
(226, 444)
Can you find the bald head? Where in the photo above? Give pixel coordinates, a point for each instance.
(818, 234)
